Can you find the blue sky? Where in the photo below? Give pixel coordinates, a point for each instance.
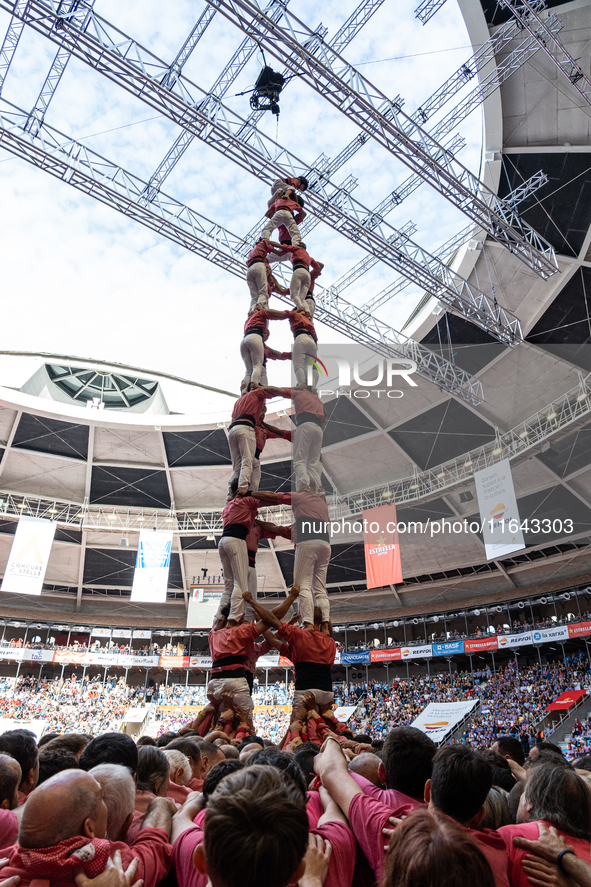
(80, 278)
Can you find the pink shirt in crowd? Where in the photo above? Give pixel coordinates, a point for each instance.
(241, 510)
(306, 505)
(251, 403)
(8, 829)
(517, 877)
(238, 641)
(308, 646)
(306, 402)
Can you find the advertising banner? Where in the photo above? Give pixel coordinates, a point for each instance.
(77, 657)
(579, 630)
(27, 562)
(174, 661)
(284, 662)
(425, 652)
(543, 635)
(102, 658)
(438, 719)
(36, 726)
(145, 633)
(386, 655)
(150, 579)
(122, 633)
(268, 661)
(565, 700)
(204, 602)
(382, 551)
(100, 633)
(201, 662)
(344, 712)
(508, 641)
(127, 660)
(481, 644)
(15, 653)
(351, 658)
(501, 526)
(448, 648)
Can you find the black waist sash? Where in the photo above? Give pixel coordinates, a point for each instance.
(216, 667)
(302, 333)
(308, 417)
(253, 262)
(244, 419)
(252, 556)
(313, 676)
(257, 453)
(236, 531)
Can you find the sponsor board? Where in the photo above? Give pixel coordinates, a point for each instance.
(386, 655)
(424, 652)
(543, 635)
(481, 644)
(565, 700)
(361, 656)
(448, 648)
(579, 630)
(499, 514)
(438, 719)
(508, 641)
(174, 661)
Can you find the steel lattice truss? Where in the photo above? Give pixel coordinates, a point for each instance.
(79, 32)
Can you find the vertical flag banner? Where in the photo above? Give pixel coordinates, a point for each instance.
(498, 510)
(25, 570)
(150, 578)
(203, 605)
(382, 551)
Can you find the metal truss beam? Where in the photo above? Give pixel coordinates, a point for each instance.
(444, 252)
(70, 10)
(528, 17)
(219, 89)
(9, 44)
(345, 88)
(427, 9)
(572, 407)
(125, 62)
(174, 69)
(92, 174)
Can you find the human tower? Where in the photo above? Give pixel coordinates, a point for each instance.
(240, 619)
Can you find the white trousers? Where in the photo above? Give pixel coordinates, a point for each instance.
(304, 346)
(323, 698)
(255, 477)
(299, 286)
(238, 686)
(283, 217)
(306, 454)
(242, 443)
(234, 558)
(310, 306)
(278, 189)
(252, 352)
(256, 278)
(249, 613)
(310, 568)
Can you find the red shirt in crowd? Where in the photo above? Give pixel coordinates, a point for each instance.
(237, 641)
(150, 847)
(8, 829)
(178, 793)
(289, 204)
(517, 877)
(308, 646)
(306, 505)
(260, 251)
(299, 254)
(299, 323)
(305, 401)
(387, 796)
(263, 435)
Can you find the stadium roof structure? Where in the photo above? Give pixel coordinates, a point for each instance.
(501, 337)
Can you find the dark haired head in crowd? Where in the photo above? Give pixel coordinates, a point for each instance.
(146, 740)
(304, 756)
(52, 761)
(510, 747)
(21, 745)
(428, 850)
(282, 760)
(501, 770)
(110, 748)
(72, 743)
(461, 780)
(153, 770)
(255, 831)
(582, 763)
(544, 746)
(10, 779)
(215, 776)
(47, 737)
(408, 760)
(165, 738)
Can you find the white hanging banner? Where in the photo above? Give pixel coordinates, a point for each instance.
(150, 579)
(501, 526)
(25, 570)
(439, 718)
(203, 605)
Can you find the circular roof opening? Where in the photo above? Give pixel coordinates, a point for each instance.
(115, 390)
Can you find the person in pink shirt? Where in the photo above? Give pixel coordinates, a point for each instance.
(302, 264)
(259, 278)
(62, 832)
(260, 530)
(310, 419)
(286, 210)
(153, 780)
(263, 433)
(305, 348)
(252, 346)
(242, 436)
(556, 796)
(280, 187)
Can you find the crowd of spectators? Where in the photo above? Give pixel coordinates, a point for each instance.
(217, 812)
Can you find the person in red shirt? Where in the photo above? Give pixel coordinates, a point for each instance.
(260, 530)
(305, 346)
(288, 211)
(310, 419)
(238, 518)
(252, 346)
(301, 280)
(242, 435)
(62, 832)
(280, 187)
(271, 354)
(310, 300)
(556, 796)
(259, 278)
(263, 433)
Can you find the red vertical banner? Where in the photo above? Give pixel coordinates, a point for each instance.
(382, 551)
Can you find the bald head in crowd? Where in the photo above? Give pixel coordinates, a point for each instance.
(67, 805)
(10, 779)
(370, 767)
